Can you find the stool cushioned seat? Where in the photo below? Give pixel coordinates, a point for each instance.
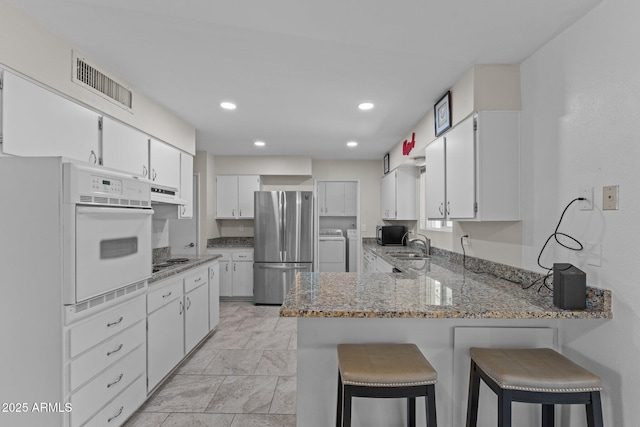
(536, 369)
(532, 375)
(380, 365)
(385, 371)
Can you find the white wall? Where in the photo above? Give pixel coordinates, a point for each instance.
(30, 49)
(580, 116)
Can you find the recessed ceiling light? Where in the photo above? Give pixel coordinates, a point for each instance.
(365, 106)
(352, 144)
(228, 105)
(259, 144)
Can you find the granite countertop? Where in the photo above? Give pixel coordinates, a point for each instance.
(230, 242)
(433, 288)
(193, 261)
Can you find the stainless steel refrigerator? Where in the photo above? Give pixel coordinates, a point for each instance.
(283, 242)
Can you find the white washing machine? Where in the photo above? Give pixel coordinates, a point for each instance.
(332, 251)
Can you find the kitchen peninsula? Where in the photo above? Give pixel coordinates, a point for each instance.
(436, 304)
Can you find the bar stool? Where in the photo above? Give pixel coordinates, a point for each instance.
(535, 375)
(385, 371)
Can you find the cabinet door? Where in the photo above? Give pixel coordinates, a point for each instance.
(351, 198)
(322, 195)
(186, 185)
(460, 171)
(388, 196)
(247, 185)
(165, 164)
(334, 198)
(196, 317)
(214, 295)
(435, 179)
(226, 278)
(242, 279)
(38, 122)
(226, 196)
(124, 148)
(165, 341)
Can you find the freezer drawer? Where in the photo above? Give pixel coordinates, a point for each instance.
(272, 281)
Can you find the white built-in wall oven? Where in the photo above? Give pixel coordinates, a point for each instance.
(106, 232)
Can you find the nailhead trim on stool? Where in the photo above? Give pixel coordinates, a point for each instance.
(537, 375)
(385, 371)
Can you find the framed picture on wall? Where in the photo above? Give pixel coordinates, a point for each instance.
(442, 114)
(385, 163)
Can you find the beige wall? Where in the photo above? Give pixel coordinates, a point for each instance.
(368, 172)
(483, 87)
(204, 164)
(29, 49)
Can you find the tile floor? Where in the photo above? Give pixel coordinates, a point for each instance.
(244, 375)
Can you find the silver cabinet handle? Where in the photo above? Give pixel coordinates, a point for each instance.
(181, 308)
(234, 266)
(116, 381)
(116, 415)
(213, 273)
(448, 207)
(188, 303)
(226, 267)
(153, 174)
(198, 279)
(144, 171)
(240, 210)
(190, 245)
(167, 295)
(92, 157)
(440, 208)
(116, 322)
(233, 212)
(109, 353)
(184, 209)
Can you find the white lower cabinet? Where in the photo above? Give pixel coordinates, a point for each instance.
(214, 295)
(236, 272)
(196, 308)
(178, 319)
(107, 356)
(165, 330)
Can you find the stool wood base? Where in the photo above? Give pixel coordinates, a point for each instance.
(591, 399)
(346, 392)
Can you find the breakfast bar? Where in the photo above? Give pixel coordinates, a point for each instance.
(443, 308)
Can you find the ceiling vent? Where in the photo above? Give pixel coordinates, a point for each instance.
(90, 77)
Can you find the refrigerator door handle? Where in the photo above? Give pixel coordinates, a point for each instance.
(284, 226)
(280, 267)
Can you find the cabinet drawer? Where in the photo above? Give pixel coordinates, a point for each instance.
(224, 255)
(164, 295)
(195, 279)
(243, 256)
(105, 354)
(122, 407)
(105, 325)
(106, 386)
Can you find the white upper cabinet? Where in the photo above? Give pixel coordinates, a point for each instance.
(125, 148)
(186, 185)
(399, 194)
(460, 171)
(337, 198)
(435, 179)
(164, 162)
(480, 160)
(234, 195)
(38, 122)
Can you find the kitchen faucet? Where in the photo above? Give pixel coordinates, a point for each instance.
(426, 243)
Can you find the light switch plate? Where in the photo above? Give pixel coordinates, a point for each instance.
(610, 198)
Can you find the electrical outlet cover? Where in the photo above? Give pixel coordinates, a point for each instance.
(587, 193)
(610, 198)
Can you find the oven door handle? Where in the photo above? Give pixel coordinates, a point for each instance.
(91, 210)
